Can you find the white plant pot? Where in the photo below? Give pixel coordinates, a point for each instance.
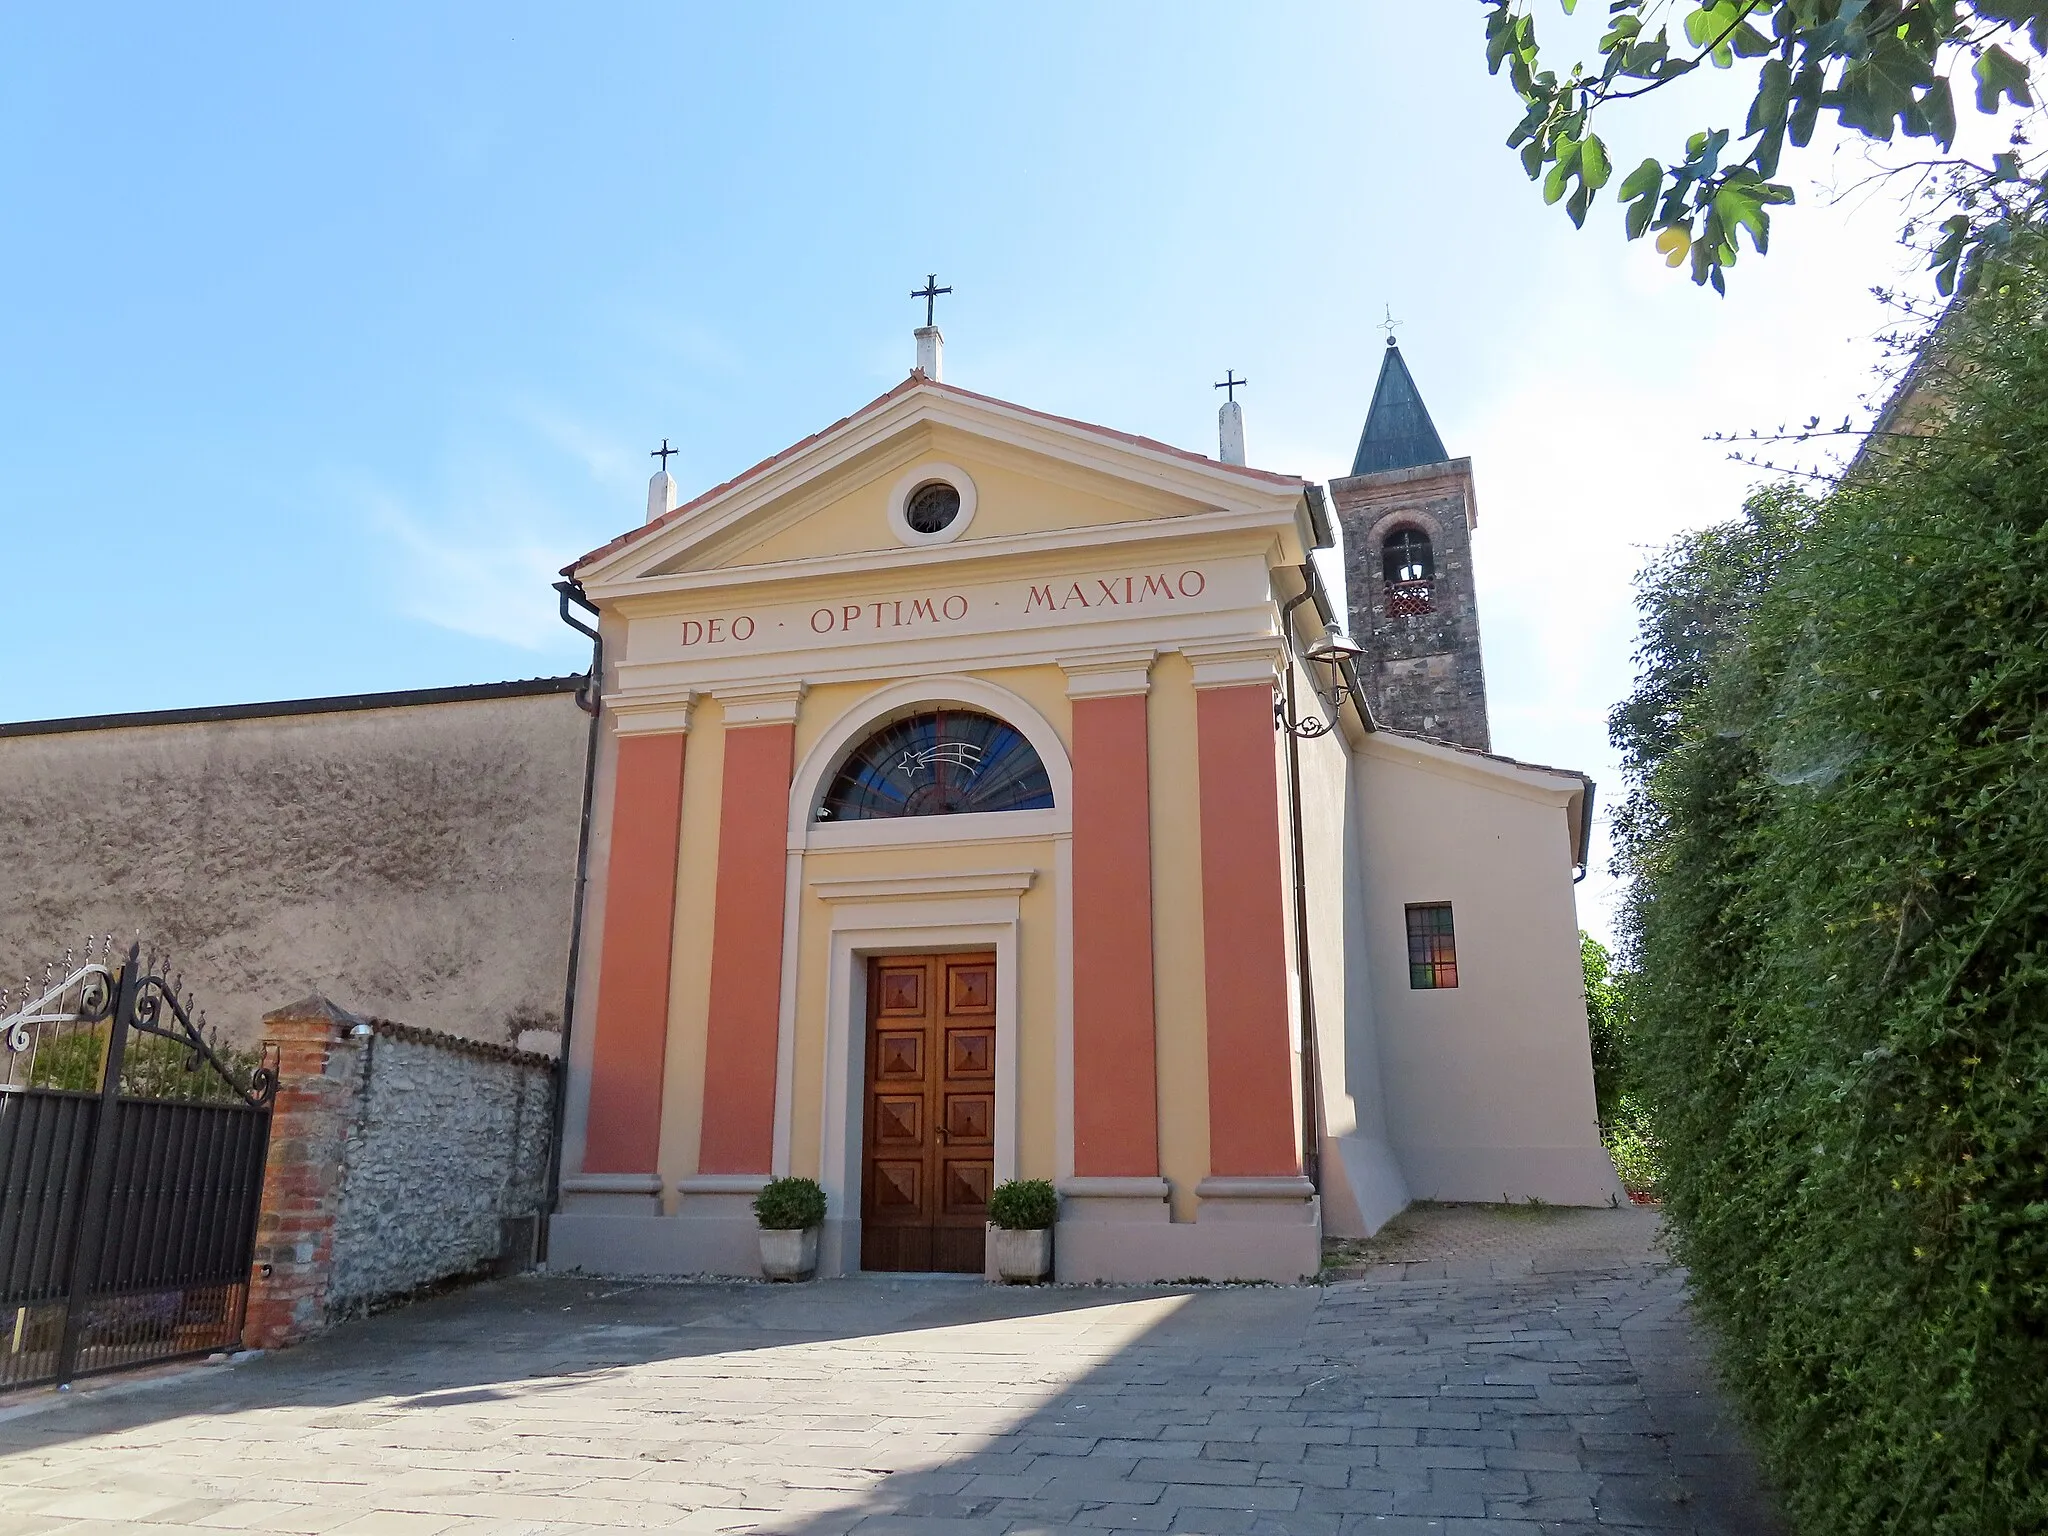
(789, 1255)
(1022, 1257)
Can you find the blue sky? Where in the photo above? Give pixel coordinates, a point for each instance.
(331, 332)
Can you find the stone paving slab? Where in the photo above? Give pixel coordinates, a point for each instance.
(1537, 1396)
(1437, 1242)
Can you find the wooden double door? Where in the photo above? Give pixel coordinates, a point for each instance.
(928, 1147)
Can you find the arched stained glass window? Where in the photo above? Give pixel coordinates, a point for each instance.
(940, 763)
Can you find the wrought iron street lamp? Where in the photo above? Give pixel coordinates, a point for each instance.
(1332, 650)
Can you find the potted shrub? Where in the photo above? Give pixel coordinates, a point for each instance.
(789, 1211)
(1022, 1212)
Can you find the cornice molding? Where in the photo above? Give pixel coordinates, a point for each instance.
(894, 560)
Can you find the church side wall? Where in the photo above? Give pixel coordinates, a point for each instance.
(1361, 1183)
(1325, 783)
(414, 862)
(1489, 1085)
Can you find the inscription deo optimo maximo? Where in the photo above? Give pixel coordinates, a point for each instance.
(893, 613)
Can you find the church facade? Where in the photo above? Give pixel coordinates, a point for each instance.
(982, 794)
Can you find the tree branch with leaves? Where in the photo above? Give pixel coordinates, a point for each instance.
(1886, 69)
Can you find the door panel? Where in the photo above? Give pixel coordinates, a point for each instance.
(928, 1159)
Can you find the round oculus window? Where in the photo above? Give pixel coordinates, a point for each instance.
(932, 507)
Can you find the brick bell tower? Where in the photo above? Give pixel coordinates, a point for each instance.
(1408, 512)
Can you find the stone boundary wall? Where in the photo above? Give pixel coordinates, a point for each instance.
(399, 1158)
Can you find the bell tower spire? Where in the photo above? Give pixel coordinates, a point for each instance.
(1398, 432)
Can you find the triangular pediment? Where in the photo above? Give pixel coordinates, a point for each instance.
(1030, 476)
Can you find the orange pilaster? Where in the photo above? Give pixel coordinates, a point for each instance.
(1251, 1068)
(1116, 1092)
(746, 951)
(639, 929)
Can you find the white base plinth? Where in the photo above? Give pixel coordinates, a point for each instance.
(1245, 1229)
(1489, 1175)
(712, 1233)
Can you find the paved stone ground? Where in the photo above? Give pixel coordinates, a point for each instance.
(1436, 1242)
(1492, 1384)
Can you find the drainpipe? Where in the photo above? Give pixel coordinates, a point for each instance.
(1311, 1095)
(590, 699)
(1585, 832)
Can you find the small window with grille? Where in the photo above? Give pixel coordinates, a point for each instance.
(1432, 946)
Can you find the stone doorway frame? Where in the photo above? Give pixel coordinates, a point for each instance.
(915, 915)
(920, 914)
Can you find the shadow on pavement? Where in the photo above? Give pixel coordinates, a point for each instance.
(1556, 1401)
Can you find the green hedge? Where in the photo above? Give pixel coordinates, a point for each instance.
(1838, 851)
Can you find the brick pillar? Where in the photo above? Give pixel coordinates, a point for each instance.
(319, 1076)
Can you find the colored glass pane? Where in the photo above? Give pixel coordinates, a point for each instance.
(943, 763)
(1432, 947)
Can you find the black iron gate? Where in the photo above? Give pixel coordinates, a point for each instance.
(131, 1174)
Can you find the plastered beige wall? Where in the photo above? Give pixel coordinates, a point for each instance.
(1179, 1005)
(1325, 825)
(682, 1098)
(1492, 1080)
(414, 862)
